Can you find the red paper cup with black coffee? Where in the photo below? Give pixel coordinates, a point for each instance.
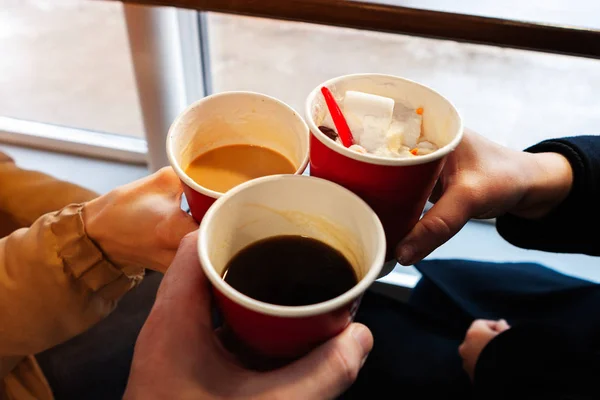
(289, 258)
(402, 132)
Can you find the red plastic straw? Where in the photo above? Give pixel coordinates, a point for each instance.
(338, 118)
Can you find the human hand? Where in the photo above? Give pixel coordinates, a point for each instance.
(140, 224)
(179, 356)
(482, 179)
(480, 333)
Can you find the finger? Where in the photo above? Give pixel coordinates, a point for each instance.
(463, 350)
(501, 326)
(440, 223)
(180, 225)
(328, 370)
(480, 325)
(496, 326)
(168, 181)
(489, 323)
(175, 225)
(184, 292)
(180, 320)
(161, 260)
(164, 177)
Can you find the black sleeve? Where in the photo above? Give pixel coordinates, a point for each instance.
(573, 226)
(538, 362)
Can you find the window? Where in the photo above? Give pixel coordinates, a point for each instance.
(67, 63)
(76, 75)
(515, 97)
(66, 78)
(106, 79)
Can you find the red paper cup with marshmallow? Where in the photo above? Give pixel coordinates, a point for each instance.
(402, 133)
(289, 205)
(233, 118)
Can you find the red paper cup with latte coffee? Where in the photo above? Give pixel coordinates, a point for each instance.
(289, 205)
(396, 188)
(233, 118)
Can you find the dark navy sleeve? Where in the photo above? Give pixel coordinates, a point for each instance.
(573, 227)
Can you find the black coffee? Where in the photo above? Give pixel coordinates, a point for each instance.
(290, 271)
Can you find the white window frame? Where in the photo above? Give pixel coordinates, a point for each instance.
(83, 142)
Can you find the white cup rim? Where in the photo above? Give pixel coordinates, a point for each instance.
(369, 158)
(287, 311)
(172, 156)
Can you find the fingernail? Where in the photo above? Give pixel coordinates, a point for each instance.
(364, 360)
(362, 335)
(406, 252)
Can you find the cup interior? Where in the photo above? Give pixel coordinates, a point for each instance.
(442, 123)
(291, 205)
(236, 118)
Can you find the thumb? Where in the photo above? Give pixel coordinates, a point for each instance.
(184, 223)
(438, 225)
(180, 225)
(167, 180)
(329, 369)
(501, 326)
(184, 292)
(174, 223)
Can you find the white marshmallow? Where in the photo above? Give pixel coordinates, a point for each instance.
(395, 135)
(369, 117)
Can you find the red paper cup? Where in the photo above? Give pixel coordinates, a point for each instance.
(233, 118)
(396, 189)
(289, 205)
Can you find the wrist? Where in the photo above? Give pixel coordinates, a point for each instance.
(547, 184)
(91, 221)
